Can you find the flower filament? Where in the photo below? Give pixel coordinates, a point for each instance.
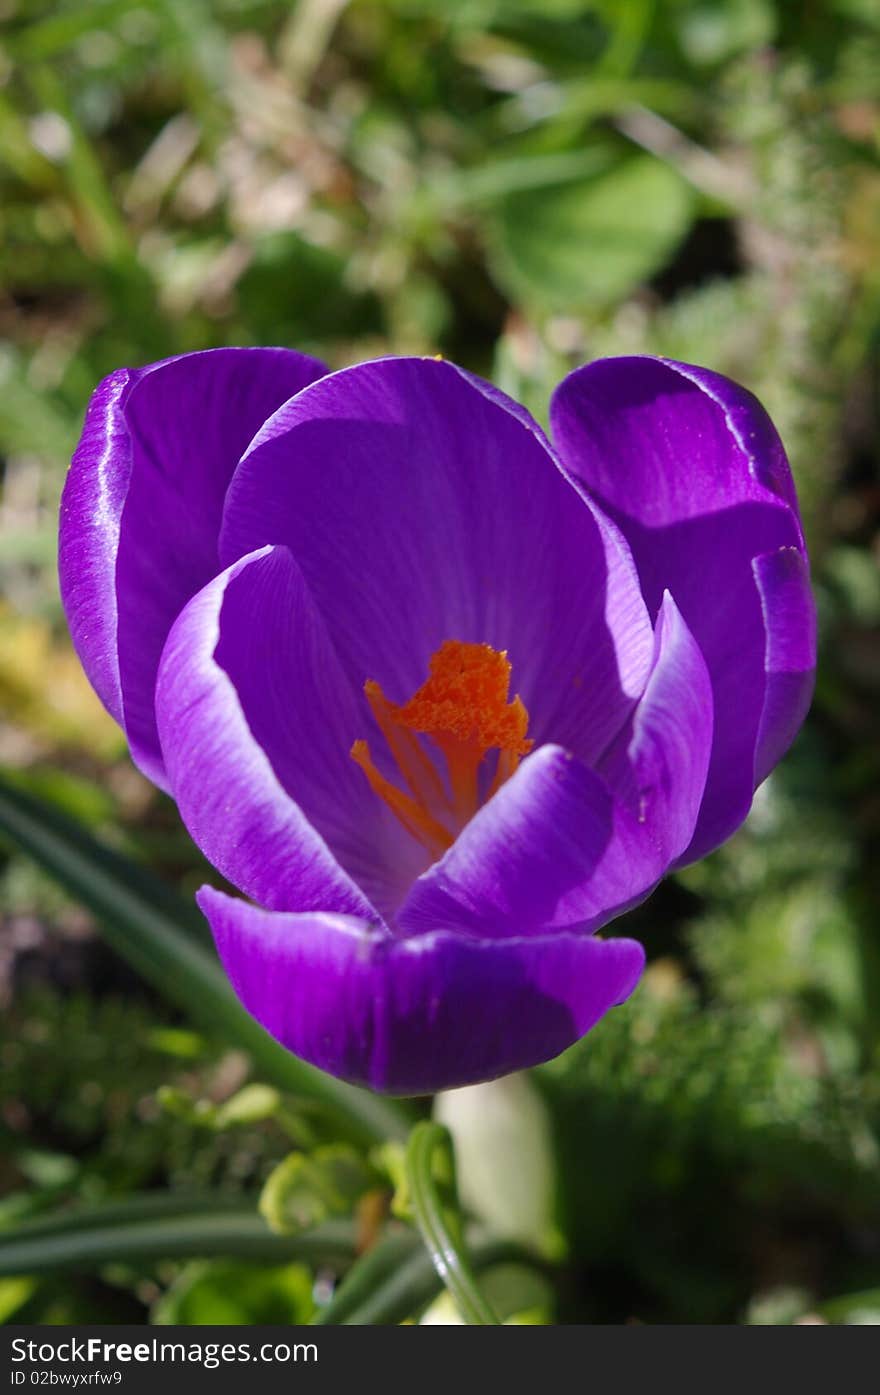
(462, 709)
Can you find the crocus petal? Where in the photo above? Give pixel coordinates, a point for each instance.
(783, 582)
(228, 793)
(552, 849)
(91, 507)
(658, 765)
(141, 510)
(256, 720)
(410, 1016)
(422, 506)
(690, 467)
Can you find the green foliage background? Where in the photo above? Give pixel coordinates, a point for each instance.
(521, 185)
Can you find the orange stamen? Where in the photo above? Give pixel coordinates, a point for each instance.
(463, 709)
(413, 761)
(414, 818)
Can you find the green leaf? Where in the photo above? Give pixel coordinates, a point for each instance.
(60, 28)
(105, 880)
(519, 1293)
(237, 1293)
(853, 1309)
(250, 1105)
(398, 1277)
(511, 177)
(390, 1159)
(148, 1228)
(306, 1188)
(579, 245)
(178, 1042)
(712, 32)
(181, 1105)
(388, 1283)
(47, 1170)
(317, 294)
(14, 1293)
(152, 929)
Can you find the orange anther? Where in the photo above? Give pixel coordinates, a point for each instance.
(463, 709)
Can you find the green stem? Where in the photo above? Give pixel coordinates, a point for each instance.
(148, 928)
(429, 1145)
(148, 1228)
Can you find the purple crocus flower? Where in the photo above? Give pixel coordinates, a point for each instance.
(439, 698)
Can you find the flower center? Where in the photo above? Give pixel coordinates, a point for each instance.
(462, 709)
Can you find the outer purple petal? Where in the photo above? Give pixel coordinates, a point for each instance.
(422, 506)
(783, 582)
(417, 1015)
(230, 790)
(658, 765)
(91, 506)
(690, 467)
(553, 849)
(141, 510)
